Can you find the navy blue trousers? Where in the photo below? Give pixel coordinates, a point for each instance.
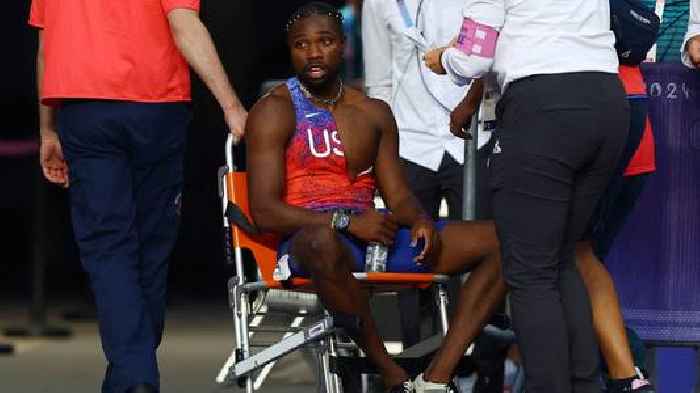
(126, 170)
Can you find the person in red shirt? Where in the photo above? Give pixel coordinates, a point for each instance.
(114, 87)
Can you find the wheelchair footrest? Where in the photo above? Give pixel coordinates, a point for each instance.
(412, 365)
(315, 331)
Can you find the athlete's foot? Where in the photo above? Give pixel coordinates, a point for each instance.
(420, 385)
(638, 384)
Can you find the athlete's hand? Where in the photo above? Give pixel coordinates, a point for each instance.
(460, 118)
(374, 226)
(235, 120)
(693, 46)
(51, 159)
(433, 60)
(424, 229)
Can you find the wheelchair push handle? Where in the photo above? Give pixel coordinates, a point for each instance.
(231, 141)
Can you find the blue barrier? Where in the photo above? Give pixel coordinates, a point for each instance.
(656, 258)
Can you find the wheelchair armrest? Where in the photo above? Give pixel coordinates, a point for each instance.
(236, 217)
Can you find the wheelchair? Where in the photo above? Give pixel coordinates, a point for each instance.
(254, 294)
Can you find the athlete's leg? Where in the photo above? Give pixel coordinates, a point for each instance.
(425, 185)
(329, 263)
(467, 245)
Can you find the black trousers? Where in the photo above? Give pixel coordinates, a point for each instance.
(431, 186)
(559, 138)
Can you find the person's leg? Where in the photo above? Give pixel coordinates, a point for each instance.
(424, 183)
(622, 192)
(609, 121)
(552, 128)
(328, 261)
(159, 142)
(607, 317)
(104, 215)
(626, 199)
(611, 211)
(451, 182)
(465, 245)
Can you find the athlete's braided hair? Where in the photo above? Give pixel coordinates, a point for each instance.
(315, 8)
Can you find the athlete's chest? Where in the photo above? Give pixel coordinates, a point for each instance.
(345, 134)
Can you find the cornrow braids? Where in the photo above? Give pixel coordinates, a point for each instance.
(314, 8)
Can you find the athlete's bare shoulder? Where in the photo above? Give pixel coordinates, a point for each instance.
(273, 113)
(376, 110)
(277, 96)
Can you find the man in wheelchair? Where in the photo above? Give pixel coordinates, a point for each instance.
(316, 151)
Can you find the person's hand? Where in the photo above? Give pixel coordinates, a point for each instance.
(235, 120)
(693, 47)
(374, 226)
(433, 60)
(51, 159)
(460, 118)
(453, 41)
(424, 229)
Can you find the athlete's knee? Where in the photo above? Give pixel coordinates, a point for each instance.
(318, 248)
(489, 238)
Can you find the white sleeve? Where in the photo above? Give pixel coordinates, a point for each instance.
(376, 49)
(462, 67)
(693, 30)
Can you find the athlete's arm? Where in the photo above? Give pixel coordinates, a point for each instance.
(404, 206)
(473, 52)
(53, 164)
(268, 129)
(197, 47)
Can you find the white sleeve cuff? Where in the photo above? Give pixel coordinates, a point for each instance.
(462, 68)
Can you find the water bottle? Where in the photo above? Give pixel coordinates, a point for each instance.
(375, 257)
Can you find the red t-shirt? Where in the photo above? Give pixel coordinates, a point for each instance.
(114, 49)
(644, 159)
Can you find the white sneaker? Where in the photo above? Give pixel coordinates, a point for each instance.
(422, 386)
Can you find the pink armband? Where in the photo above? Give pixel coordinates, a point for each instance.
(477, 39)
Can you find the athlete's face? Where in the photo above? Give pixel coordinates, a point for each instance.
(316, 47)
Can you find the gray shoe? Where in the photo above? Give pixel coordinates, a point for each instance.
(422, 386)
(405, 387)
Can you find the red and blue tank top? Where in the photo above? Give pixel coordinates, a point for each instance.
(316, 170)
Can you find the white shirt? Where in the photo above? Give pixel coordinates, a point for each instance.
(538, 37)
(394, 72)
(693, 30)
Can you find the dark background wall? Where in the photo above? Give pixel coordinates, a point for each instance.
(248, 35)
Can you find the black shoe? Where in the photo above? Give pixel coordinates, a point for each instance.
(141, 388)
